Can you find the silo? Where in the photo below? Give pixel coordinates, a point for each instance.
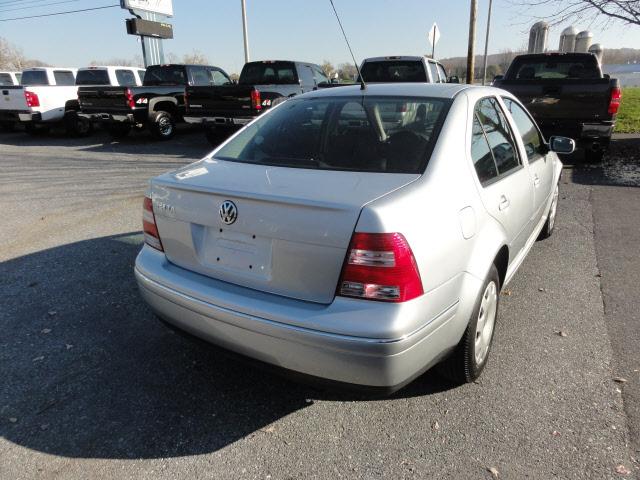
(538, 36)
(583, 41)
(568, 40)
(598, 50)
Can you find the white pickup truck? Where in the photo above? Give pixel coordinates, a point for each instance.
(50, 95)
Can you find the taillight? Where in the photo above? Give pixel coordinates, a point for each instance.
(32, 99)
(380, 266)
(151, 235)
(256, 102)
(614, 103)
(129, 96)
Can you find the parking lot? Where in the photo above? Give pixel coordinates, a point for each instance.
(95, 387)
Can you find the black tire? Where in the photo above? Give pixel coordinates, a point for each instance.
(35, 129)
(162, 125)
(77, 126)
(549, 225)
(462, 365)
(217, 135)
(8, 126)
(118, 130)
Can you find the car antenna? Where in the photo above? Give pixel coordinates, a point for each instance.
(362, 84)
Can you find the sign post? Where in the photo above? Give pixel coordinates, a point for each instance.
(153, 11)
(434, 36)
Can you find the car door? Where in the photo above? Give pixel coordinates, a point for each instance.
(506, 189)
(541, 167)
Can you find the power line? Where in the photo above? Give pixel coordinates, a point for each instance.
(36, 6)
(14, 3)
(59, 13)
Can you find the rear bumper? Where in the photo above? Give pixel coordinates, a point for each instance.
(109, 117)
(220, 121)
(19, 116)
(579, 131)
(365, 360)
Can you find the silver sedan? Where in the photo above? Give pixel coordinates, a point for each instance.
(361, 236)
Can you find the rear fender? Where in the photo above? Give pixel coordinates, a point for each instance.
(486, 246)
(158, 100)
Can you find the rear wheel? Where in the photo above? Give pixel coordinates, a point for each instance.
(162, 126)
(547, 229)
(77, 126)
(469, 358)
(118, 130)
(36, 129)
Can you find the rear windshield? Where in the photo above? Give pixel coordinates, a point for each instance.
(34, 77)
(165, 75)
(394, 71)
(268, 73)
(92, 77)
(372, 134)
(5, 79)
(554, 68)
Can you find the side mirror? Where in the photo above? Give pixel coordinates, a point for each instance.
(453, 79)
(562, 145)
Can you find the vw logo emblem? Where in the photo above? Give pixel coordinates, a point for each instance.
(228, 212)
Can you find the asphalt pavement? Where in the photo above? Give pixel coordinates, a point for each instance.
(93, 386)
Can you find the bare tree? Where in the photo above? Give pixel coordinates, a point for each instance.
(347, 72)
(625, 11)
(195, 58)
(12, 57)
(328, 68)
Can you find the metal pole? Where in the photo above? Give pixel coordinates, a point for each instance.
(244, 31)
(472, 39)
(433, 45)
(486, 45)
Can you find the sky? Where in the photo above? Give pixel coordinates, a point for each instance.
(278, 29)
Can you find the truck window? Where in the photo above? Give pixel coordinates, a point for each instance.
(320, 75)
(159, 75)
(5, 79)
(306, 76)
(92, 77)
(443, 74)
(19, 77)
(34, 78)
(533, 143)
(218, 78)
(268, 73)
(199, 77)
(125, 78)
(64, 77)
(554, 67)
(433, 71)
(394, 71)
(496, 129)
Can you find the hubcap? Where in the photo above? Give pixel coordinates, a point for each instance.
(164, 125)
(486, 322)
(553, 209)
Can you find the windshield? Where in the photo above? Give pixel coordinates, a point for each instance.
(92, 77)
(34, 78)
(268, 73)
(555, 68)
(165, 75)
(372, 134)
(394, 71)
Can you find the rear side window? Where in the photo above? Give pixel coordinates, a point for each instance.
(34, 78)
(533, 143)
(268, 73)
(219, 78)
(5, 79)
(498, 133)
(320, 75)
(481, 153)
(433, 71)
(394, 71)
(165, 75)
(64, 77)
(306, 75)
(199, 76)
(92, 77)
(125, 78)
(443, 74)
(554, 67)
(372, 134)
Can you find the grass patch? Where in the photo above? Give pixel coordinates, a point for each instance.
(629, 114)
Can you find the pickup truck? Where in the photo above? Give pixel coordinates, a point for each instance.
(262, 84)
(404, 68)
(157, 105)
(40, 99)
(567, 95)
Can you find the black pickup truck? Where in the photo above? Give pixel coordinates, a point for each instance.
(158, 104)
(261, 85)
(568, 95)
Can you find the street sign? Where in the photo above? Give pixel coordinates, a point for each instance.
(163, 7)
(146, 28)
(434, 34)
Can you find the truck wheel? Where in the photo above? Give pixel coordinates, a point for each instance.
(162, 126)
(35, 129)
(466, 362)
(77, 126)
(217, 135)
(118, 130)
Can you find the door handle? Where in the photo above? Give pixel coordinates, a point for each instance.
(504, 203)
(536, 180)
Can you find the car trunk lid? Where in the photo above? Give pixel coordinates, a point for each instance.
(292, 229)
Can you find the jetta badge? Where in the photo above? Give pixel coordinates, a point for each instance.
(228, 212)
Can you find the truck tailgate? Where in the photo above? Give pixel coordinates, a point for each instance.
(221, 100)
(99, 99)
(13, 98)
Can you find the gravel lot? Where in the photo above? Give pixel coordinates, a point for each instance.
(95, 387)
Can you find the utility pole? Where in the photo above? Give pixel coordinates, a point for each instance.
(486, 46)
(244, 31)
(472, 39)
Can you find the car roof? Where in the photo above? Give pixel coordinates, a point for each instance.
(105, 67)
(422, 89)
(396, 57)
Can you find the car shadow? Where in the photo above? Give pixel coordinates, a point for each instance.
(88, 371)
(620, 166)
